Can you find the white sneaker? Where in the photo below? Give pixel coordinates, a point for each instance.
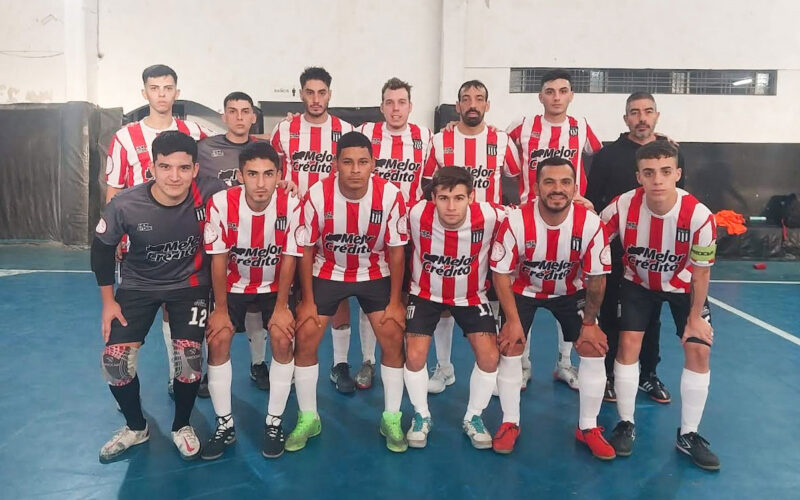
(477, 433)
(442, 377)
(568, 375)
(123, 439)
(526, 376)
(187, 442)
(417, 435)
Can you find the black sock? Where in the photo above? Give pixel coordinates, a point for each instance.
(185, 395)
(128, 398)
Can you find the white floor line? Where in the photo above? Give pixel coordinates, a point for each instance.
(752, 319)
(753, 282)
(11, 272)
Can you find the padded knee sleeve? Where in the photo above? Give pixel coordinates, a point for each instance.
(119, 364)
(187, 358)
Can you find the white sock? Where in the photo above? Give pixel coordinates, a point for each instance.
(481, 385)
(341, 344)
(694, 391)
(168, 344)
(526, 353)
(392, 379)
(443, 340)
(626, 383)
(280, 384)
(368, 339)
(417, 387)
(564, 349)
(257, 336)
(509, 383)
(219, 386)
(591, 386)
(305, 384)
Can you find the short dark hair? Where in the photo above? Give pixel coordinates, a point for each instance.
(262, 150)
(315, 73)
(553, 161)
(237, 96)
(654, 150)
(472, 84)
(395, 83)
(556, 74)
(638, 95)
(448, 178)
(353, 140)
(173, 141)
(158, 70)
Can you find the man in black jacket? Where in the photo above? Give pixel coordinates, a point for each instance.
(613, 172)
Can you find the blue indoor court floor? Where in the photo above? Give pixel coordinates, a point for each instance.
(56, 411)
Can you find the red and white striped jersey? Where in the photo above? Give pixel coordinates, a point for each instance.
(307, 149)
(351, 236)
(452, 266)
(255, 240)
(399, 156)
(538, 139)
(660, 250)
(550, 261)
(488, 156)
(130, 152)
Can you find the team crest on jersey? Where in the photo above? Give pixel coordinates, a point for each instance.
(200, 213)
(682, 235)
(294, 136)
(530, 244)
(140, 149)
(477, 235)
(376, 140)
(576, 243)
(417, 143)
(491, 149)
(232, 226)
(573, 131)
(280, 224)
(631, 225)
(335, 135)
(144, 226)
(425, 234)
(216, 153)
(448, 151)
(535, 135)
(328, 215)
(375, 216)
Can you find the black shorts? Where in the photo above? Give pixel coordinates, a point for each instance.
(372, 295)
(567, 309)
(422, 316)
(637, 304)
(239, 304)
(187, 309)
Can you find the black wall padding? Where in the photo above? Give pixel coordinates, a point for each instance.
(353, 116)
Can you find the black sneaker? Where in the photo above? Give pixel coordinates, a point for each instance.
(622, 438)
(260, 374)
(274, 440)
(696, 447)
(340, 375)
(202, 391)
(652, 385)
(222, 437)
(610, 394)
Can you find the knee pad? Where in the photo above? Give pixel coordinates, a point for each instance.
(187, 359)
(119, 364)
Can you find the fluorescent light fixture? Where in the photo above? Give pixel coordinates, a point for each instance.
(743, 81)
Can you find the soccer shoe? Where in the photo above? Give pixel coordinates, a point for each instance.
(187, 442)
(568, 375)
(503, 442)
(696, 447)
(442, 377)
(390, 429)
(260, 375)
(274, 441)
(417, 435)
(340, 376)
(654, 388)
(526, 376)
(364, 375)
(308, 426)
(610, 394)
(223, 436)
(202, 391)
(477, 433)
(622, 438)
(123, 439)
(596, 442)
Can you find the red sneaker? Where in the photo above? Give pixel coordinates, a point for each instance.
(503, 441)
(596, 442)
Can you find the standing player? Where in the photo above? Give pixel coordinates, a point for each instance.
(487, 154)
(355, 227)
(399, 148)
(129, 155)
(669, 244)
(251, 235)
(549, 248)
(451, 236)
(165, 265)
(308, 144)
(553, 133)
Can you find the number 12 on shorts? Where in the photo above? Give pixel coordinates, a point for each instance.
(198, 317)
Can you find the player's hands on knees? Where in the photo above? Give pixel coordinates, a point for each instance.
(700, 328)
(595, 337)
(510, 335)
(395, 311)
(580, 200)
(218, 322)
(307, 311)
(289, 186)
(111, 311)
(282, 321)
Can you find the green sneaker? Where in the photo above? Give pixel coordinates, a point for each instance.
(308, 426)
(393, 432)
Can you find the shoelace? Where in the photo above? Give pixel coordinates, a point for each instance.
(273, 431)
(478, 425)
(693, 437)
(221, 428)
